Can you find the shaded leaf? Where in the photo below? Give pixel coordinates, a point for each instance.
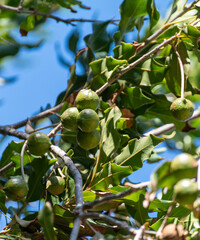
(173, 75)
(62, 217)
(46, 219)
(130, 11)
(124, 51)
(138, 212)
(3, 207)
(133, 98)
(39, 168)
(99, 40)
(153, 13)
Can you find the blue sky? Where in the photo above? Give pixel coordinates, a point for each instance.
(40, 77)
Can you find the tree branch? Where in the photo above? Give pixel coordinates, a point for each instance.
(167, 25)
(111, 197)
(45, 15)
(39, 116)
(21, 4)
(6, 130)
(132, 65)
(6, 167)
(78, 188)
(122, 225)
(171, 126)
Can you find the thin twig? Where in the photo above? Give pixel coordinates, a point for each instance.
(6, 168)
(21, 159)
(132, 65)
(13, 132)
(170, 126)
(42, 128)
(111, 197)
(48, 15)
(121, 224)
(37, 117)
(165, 219)
(21, 4)
(54, 130)
(139, 235)
(181, 70)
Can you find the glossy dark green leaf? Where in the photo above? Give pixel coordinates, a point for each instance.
(26, 160)
(99, 40)
(124, 51)
(103, 69)
(173, 75)
(39, 168)
(110, 176)
(130, 11)
(136, 151)
(46, 219)
(10, 151)
(133, 98)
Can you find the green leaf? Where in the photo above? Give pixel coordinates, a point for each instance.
(162, 177)
(130, 11)
(26, 160)
(103, 69)
(39, 168)
(173, 75)
(153, 13)
(89, 196)
(46, 219)
(111, 175)
(138, 212)
(99, 40)
(155, 226)
(3, 207)
(159, 205)
(133, 98)
(136, 151)
(131, 199)
(11, 149)
(62, 217)
(28, 24)
(124, 51)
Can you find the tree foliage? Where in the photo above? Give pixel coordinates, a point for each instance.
(136, 83)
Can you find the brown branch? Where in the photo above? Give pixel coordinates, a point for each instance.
(45, 15)
(111, 197)
(135, 63)
(55, 130)
(78, 189)
(6, 167)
